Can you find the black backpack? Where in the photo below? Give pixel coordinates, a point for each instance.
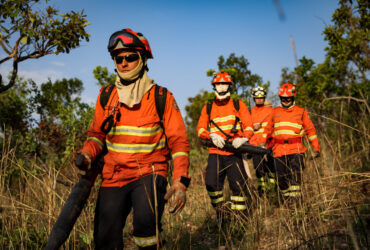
(233, 130)
(160, 96)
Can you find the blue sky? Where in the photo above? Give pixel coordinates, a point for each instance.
(187, 37)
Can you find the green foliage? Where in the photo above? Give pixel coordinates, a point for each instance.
(13, 108)
(194, 109)
(26, 32)
(103, 76)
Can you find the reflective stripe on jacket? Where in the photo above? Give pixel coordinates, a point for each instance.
(285, 124)
(260, 115)
(137, 143)
(223, 113)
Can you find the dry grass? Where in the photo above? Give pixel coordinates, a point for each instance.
(334, 213)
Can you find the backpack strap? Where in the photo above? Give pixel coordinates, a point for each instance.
(209, 108)
(160, 96)
(236, 104)
(237, 119)
(105, 94)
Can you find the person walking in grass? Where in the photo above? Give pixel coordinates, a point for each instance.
(288, 125)
(225, 120)
(139, 135)
(263, 164)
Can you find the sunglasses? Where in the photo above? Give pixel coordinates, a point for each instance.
(128, 58)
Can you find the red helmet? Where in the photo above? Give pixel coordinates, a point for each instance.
(287, 90)
(128, 39)
(223, 77)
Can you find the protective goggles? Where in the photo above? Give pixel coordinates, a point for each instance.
(286, 99)
(129, 58)
(126, 38)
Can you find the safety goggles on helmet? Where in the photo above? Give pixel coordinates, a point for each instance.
(129, 58)
(258, 92)
(222, 77)
(287, 90)
(128, 39)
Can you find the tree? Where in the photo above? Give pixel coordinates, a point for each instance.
(103, 76)
(27, 33)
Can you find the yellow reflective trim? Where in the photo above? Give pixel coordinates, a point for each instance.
(294, 188)
(136, 131)
(224, 128)
(270, 180)
(135, 148)
(264, 124)
(215, 193)
(177, 154)
(145, 241)
(264, 135)
(238, 207)
(100, 144)
(201, 130)
(238, 198)
(259, 131)
(312, 137)
(280, 124)
(294, 194)
(218, 200)
(224, 119)
(285, 132)
(249, 128)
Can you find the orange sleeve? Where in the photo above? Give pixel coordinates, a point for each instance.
(203, 123)
(269, 127)
(177, 137)
(310, 131)
(246, 120)
(95, 138)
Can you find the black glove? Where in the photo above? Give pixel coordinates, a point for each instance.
(83, 161)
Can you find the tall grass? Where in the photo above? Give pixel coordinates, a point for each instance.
(333, 214)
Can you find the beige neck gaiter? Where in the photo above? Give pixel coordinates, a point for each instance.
(133, 93)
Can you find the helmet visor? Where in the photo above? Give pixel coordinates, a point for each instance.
(127, 39)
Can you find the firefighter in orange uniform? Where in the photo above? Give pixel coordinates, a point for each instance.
(288, 125)
(138, 147)
(221, 120)
(264, 166)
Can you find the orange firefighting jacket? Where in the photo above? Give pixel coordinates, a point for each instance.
(288, 127)
(260, 115)
(137, 142)
(223, 113)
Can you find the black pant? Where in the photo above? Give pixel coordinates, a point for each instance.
(115, 203)
(220, 166)
(265, 172)
(289, 171)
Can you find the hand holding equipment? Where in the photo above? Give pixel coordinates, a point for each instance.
(218, 140)
(83, 161)
(237, 142)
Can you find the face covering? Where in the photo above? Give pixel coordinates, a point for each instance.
(222, 91)
(287, 105)
(131, 94)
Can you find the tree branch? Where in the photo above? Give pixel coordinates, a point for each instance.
(348, 98)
